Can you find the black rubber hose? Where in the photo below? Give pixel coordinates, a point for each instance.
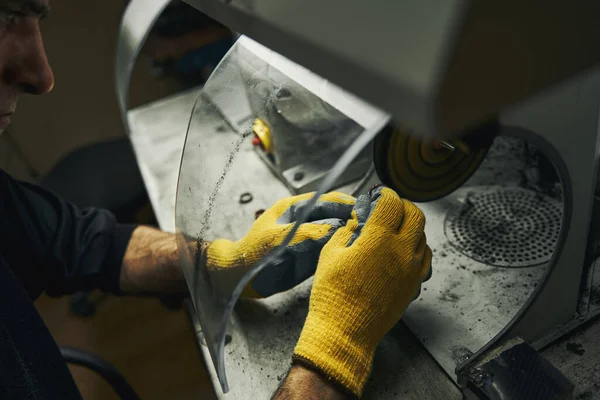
(103, 368)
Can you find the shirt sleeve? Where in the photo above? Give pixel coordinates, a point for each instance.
(55, 247)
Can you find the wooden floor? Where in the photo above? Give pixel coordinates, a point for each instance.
(153, 347)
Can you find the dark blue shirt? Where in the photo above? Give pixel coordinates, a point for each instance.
(47, 245)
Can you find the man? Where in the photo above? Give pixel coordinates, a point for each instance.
(368, 272)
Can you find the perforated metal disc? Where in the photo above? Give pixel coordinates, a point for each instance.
(505, 227)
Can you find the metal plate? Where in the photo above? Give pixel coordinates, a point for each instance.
(505, 227)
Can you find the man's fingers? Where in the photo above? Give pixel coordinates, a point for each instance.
(343, 236)
(283, 212)
(329, 205)
(417, 295)
(414, 220)
(427, 263)
(362, 210)
(329, 209)
(421, 246)
(338, 197)
(317, 231)
(424, 257)
(386, 211)
(280, 275)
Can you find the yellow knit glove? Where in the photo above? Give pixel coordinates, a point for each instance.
(368, 273)
(230, 260)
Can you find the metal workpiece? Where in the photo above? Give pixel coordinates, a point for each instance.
(435, 65)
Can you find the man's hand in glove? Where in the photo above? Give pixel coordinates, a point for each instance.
(299, 260)
(368, 274)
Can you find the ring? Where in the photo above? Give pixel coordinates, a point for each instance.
(246, 198)
(375, 186)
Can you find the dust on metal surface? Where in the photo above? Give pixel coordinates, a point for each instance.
(468, 301)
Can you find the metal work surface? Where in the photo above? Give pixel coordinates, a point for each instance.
(549, 120)
(576, 356)
(403, 368)
(260, 359)
(256, 360)
(468, 301)
(578, 101)
(157, 132)
(447, 63)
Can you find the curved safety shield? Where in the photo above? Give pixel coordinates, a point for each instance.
(262, 129)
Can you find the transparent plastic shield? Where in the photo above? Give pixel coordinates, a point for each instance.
(262, 129)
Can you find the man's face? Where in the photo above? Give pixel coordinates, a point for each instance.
(24, 67)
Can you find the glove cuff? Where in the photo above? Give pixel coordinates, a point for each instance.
(224, 254)
(339, 355)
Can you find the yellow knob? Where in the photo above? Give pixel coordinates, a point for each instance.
(263, 133)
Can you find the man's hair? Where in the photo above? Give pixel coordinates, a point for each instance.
(37, 8)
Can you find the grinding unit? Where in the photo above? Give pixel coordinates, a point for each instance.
(493, 135)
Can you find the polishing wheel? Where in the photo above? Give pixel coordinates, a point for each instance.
(422, 170)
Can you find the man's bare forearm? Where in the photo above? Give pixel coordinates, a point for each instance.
(151, 264)
(304, 384)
